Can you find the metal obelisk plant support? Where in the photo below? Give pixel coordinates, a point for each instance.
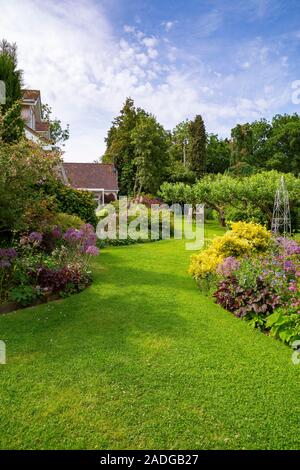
(281, 220)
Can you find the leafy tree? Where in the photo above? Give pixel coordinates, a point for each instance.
(252, 197)
(25, 169)
(179, 145)
(12, 124)
(218, 154)
(259, 190)
(208, 190)
(149, 140)
(9, 74)
(283, 144)
(245, 198)
(197, 147)
(248, 147)
(177, 193)
(72, 201)
(242, 144)
(179, 150)
(58, 135)
(266, 145)
(242, 169)
(177, 172)
(261, 131)
(215, 191)
(120, 148)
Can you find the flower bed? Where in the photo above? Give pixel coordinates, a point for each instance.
(255, 277)
(43, 266)
(131, 213)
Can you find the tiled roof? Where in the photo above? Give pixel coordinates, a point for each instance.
(42, 126)
(32, 131)
(91, 175)
(30, 94)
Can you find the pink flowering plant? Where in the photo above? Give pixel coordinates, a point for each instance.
(264, 289)
(79, 245)
(46, 263)
(228, 267)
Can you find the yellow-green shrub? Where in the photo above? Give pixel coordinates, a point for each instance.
(65, 221)
(205, 263)
(243, 239)
(257, 235)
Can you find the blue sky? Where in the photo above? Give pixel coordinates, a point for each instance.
(232, 61)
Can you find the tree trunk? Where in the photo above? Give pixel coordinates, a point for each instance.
(134, 187)
(222, 218)
(139, 192)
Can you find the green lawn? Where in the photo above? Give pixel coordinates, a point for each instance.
(143, 360)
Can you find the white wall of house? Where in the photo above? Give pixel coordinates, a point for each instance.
(99, 194)
(35, 138)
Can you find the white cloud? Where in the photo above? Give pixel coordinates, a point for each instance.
(209, 23)
(152, 53)
(85, 71)
(246, 65)
(129, 29)
(168, 25)
(150, 41)
(142, 58)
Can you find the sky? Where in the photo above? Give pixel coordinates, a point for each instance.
(232, 61)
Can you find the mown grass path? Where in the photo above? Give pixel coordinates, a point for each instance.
(143, 360)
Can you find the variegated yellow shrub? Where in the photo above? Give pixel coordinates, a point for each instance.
(243, 239)
(231, 245)
(205, 263)
(257, 235)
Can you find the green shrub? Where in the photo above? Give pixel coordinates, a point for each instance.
(248, 198)
(248, 214)
(65, 221)
(25, 169)
(123, 242)
(76, 202)
(141, 212)
(24, 295)
(284, 324)
(211, 214)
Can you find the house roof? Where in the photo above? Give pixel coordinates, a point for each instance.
(35, 133)
(42, 126)
(91, 175)
(31, 95)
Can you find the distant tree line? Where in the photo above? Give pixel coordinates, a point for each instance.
(146, 155)
(248, 198)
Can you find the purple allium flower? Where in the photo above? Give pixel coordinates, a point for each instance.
(69, 233)
(92, 250)
(7, 255)
(228, 266)
(84, 240)
(73, 235)
(290, 247)
(88, 228)
(56, 232)
(4, 263)
(35, 237)
(289, 266)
